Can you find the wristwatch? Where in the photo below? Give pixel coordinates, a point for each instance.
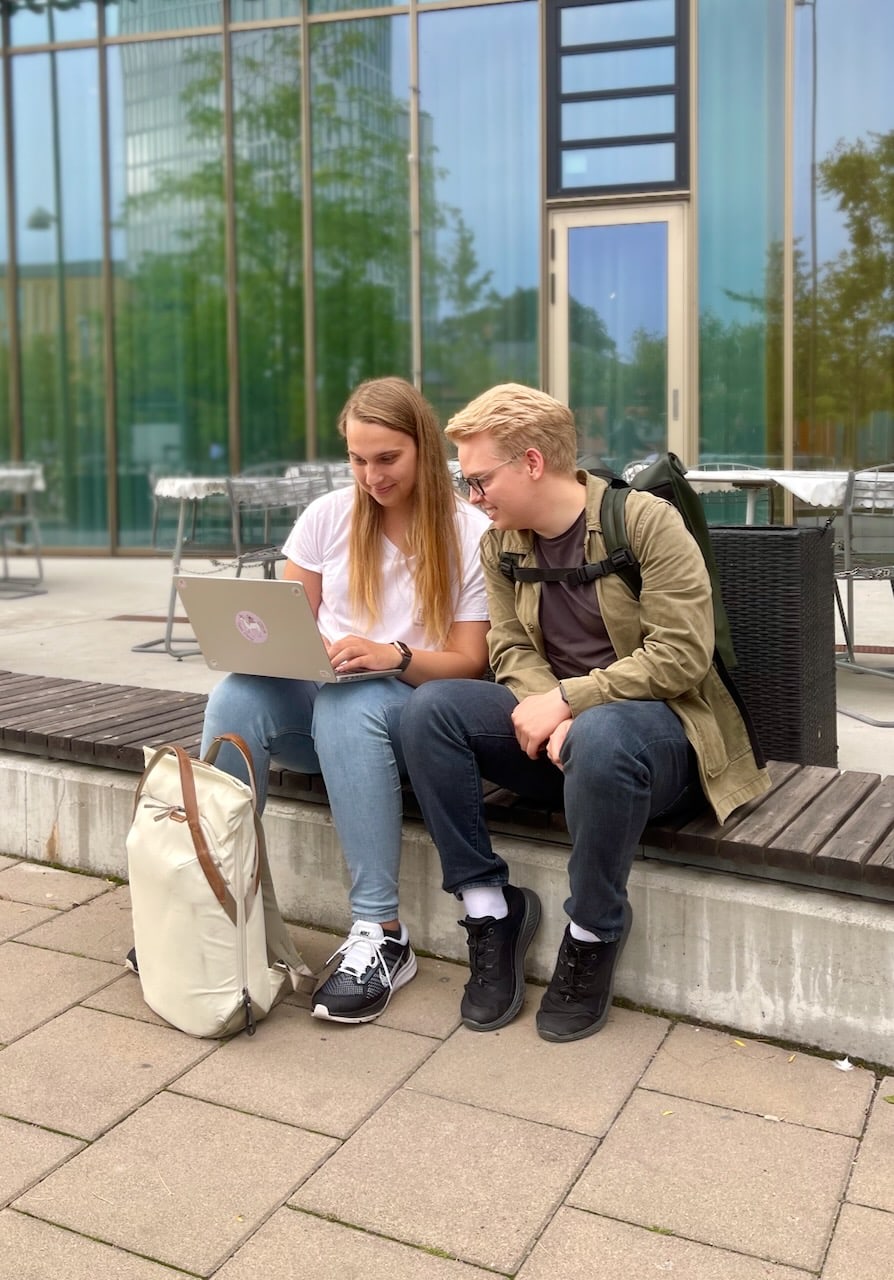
(406, 655)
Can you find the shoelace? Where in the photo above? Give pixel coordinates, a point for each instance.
(573, 971)
(359, 953)
(481, 950)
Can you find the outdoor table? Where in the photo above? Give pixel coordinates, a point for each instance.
(817, 488)
(187, 490)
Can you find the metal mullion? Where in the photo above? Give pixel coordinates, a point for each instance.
(307, 248)
(51, 46)
(615, 95)
(415, 210)
(234, 441)
(151, 37)
(788, 258)
(108, 297)
(625, 140)
(16, 438)
(547, 232)
(619, 46)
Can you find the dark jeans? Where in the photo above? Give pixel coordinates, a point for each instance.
(624, 763)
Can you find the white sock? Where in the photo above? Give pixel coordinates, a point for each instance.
(485, 900)
(583, 935)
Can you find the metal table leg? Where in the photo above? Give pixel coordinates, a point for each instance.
(167, 642)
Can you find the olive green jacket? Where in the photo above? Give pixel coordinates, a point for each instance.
(664, 641)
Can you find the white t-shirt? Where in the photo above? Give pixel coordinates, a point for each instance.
(319, 542)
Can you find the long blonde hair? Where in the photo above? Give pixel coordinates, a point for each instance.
(432, 535)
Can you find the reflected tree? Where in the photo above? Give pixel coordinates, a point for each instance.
(844, 368)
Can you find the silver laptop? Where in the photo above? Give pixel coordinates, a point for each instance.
(260, 627)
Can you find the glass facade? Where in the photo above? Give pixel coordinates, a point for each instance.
(480, 225)
(60, 314)
(219, 215)
(741, 230)
(844, 231)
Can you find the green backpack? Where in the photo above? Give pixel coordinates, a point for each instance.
(666, 478)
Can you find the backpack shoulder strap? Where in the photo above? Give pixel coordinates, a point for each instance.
(614, 531)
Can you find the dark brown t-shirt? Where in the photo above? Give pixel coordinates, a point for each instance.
(573, 631)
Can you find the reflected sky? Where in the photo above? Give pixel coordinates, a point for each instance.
(77, 150)
(855, 40)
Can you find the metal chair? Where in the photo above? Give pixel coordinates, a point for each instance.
(867, 549)
(20, 528)
(258, 504)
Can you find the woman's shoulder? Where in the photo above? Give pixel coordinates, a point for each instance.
(331, 508)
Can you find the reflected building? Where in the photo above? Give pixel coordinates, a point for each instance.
(223, 216)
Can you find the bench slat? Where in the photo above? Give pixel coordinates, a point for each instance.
(841, 800)
(852, 846)
(703, 834)
(779, 809)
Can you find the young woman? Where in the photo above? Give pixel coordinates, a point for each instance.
(392, 570)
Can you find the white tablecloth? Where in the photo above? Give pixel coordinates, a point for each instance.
(21, 479)
(189, 486)
(817, 488)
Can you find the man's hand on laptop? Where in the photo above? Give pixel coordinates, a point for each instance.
(357, 653)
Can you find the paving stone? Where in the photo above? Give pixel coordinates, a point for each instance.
(53, 1076)
(7, 862)
(304, 1071)
(38, 984)
(101, 929)
(573, 1241)
(44, 886)
(17, 918)
(33, 1250)
(28, 1154)
(862, 1246)
(179, 1181)
(296, 1246)
(749, 1075)
(125, 997)
(738, 1181)
(505, 1071)
(873, 1180)
(427, 1006)
(469, 1183)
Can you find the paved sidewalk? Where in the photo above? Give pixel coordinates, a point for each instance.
(409, 1148)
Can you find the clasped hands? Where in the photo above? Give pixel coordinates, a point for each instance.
(541, 722)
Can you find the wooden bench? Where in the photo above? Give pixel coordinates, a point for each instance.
(817, 826)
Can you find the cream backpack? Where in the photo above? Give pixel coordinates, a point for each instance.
(213, 953)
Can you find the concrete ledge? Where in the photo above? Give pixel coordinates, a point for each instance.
(769, 959)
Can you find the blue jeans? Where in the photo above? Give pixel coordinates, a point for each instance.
(625, 763)
(351, 734)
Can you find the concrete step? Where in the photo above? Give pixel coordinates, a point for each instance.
(795, 964)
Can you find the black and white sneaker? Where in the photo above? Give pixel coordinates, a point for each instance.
(373, 966)
(130, 961)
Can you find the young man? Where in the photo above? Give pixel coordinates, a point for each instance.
(602, 703)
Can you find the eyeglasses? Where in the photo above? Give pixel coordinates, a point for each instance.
(478, 482)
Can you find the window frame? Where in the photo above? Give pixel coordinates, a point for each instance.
(556, 148)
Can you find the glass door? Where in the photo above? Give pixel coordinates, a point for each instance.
(617, 329)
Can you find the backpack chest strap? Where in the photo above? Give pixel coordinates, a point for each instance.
(619, 560)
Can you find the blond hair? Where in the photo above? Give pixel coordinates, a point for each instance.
(432, 536)
(520, 418)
